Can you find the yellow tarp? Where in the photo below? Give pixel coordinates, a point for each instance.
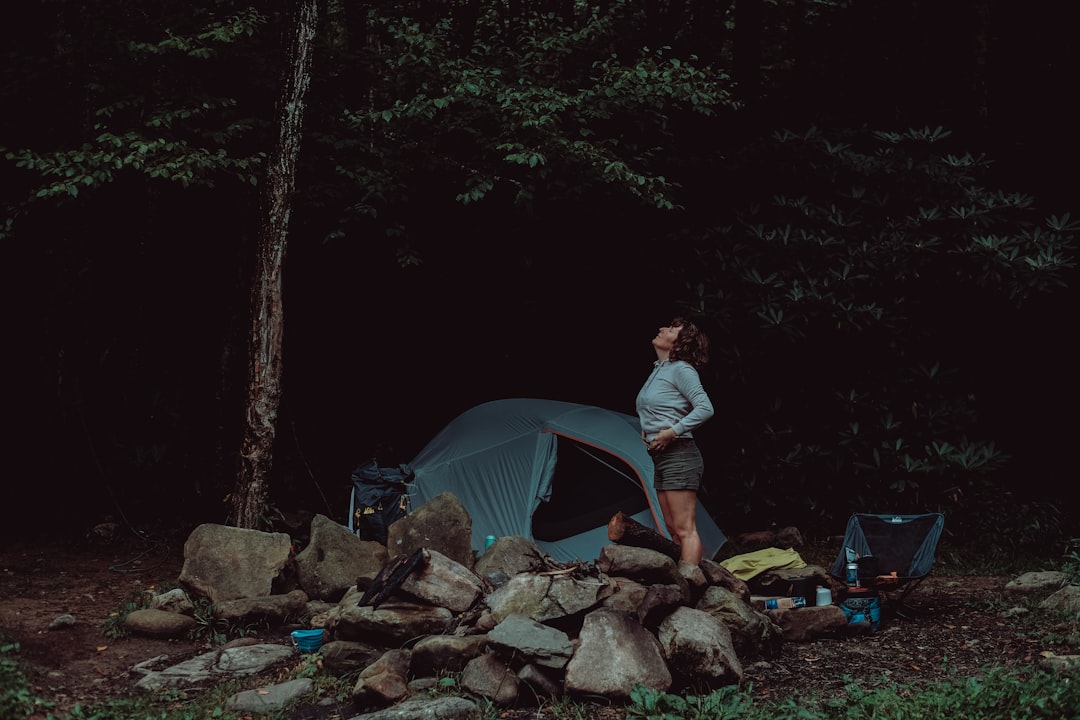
(748, 565)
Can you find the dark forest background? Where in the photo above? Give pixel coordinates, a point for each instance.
(865, 204)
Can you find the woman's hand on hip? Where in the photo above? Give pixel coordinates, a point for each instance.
(662, 439)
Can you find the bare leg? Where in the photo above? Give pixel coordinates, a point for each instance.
(680, 516)
(669, 520)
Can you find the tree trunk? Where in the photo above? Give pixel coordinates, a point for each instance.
(267, 317)
(625, 530)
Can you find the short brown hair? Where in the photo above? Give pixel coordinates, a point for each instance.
(691, 345)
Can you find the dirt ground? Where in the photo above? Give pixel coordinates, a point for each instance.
(953, 627)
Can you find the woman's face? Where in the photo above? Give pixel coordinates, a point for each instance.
(665, 338)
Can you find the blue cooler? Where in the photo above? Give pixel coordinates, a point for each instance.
(862, 605)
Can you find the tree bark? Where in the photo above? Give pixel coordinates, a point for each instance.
(625, 530)
(249, 498)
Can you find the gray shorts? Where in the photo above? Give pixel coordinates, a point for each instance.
(679, 466)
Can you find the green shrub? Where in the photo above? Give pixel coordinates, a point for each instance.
(998, 693)
(649, 704)
(17, 701)
(1071, 568)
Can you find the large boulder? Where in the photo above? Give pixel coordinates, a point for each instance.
(442, 523)
(226, 563)
(336, 559)
(615, 654)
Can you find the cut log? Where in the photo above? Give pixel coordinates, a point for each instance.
(625, 530)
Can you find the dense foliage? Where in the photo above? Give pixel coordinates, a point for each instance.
(482, 187)
(849, 287)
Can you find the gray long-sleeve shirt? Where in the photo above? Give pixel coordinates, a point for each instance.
(673, 397)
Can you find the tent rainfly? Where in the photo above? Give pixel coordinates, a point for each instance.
(550, 471)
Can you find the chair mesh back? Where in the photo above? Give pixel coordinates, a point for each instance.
(904, 544)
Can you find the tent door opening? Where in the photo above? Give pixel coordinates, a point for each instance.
(589, 486)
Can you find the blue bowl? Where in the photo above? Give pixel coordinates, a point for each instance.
(308, 641)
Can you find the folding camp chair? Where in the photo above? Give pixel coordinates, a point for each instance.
(894, 552)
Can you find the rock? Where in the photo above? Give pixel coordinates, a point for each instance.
(426, 707)
(658, 603)
(698, 650)
(336, 559)
(441, 523)
(509, 556)
(615, 654)
(445, 653)
(1065, 601)
(158, 623)
(808, 623)
(754, 634)
(718, 575)
(226, 563)
(491, 677)
(175, 601)
(272, 607)
(385, 681)
(444, 582)
(217, 666)
(546, 597)
(269, 698)
(391, 623)
(62, 622)
(520, 637)
(1039, 584)
(539, 682)
(648, 567)
(1067, 665)
(344, 657)
(627, 595)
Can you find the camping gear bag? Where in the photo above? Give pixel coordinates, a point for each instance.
(862, 605)
(379, 497)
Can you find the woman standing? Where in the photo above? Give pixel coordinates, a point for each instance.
(670, 405)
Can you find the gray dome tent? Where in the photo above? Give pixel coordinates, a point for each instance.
(550, 471)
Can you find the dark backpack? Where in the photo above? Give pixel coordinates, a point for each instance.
(379, 497)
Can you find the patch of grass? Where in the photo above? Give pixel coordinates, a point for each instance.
(1071, 566)
(17, 699)
(998, 693)
(214, 630)
(176, 704)
(142, 708)
(336, 687)
(727, 703)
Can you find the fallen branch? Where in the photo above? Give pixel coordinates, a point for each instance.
(564, 571)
